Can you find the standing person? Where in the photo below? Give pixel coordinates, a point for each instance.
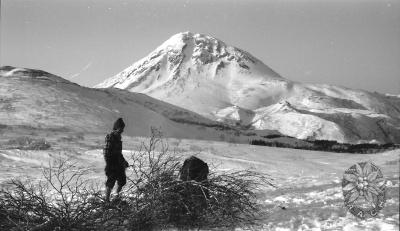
(115, 161)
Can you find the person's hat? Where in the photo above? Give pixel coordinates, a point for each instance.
(118, 124)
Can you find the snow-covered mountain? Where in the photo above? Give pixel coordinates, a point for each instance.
(223, 83)
(38, 100)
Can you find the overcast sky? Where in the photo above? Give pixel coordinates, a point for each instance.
(352, 43)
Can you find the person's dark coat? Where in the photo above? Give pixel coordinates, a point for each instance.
(115, 161)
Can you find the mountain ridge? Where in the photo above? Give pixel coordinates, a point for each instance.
(35, 99)
(226, 84)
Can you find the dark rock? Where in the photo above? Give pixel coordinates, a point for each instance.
(194, 169)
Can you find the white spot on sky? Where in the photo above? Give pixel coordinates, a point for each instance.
(80, 72)
(185, 3)
(389, 4)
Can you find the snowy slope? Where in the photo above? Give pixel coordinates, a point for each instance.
(37, 99)
(223, 83)
(308, 182)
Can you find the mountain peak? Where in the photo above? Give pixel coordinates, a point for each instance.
(182, 55)
(205, 49)
(186, 37)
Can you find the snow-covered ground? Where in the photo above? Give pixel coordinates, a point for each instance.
(308, 182)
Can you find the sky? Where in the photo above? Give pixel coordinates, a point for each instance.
(351, 43)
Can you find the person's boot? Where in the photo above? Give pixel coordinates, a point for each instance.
(108, 194)
(119, 190)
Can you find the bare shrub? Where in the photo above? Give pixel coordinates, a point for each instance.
(159, 200)
(62, 200)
